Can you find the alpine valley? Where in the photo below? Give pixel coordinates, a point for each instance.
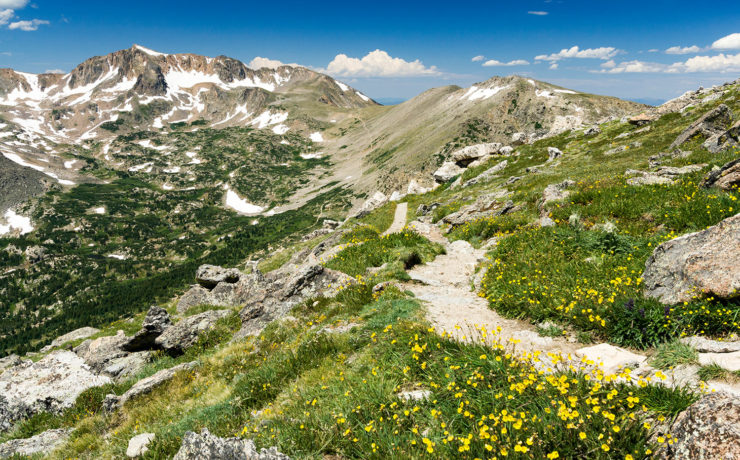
(199, 259)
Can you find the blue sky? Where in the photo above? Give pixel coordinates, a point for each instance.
(621, 45)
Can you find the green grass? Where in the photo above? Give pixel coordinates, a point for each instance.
(406, 247)
(716, 372)
(671, 354)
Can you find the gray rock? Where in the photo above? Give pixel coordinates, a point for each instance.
(100, 352)
(139, 445)
(512, 179)
(414, 395)
(705, 345)
(708, 430)
(486, 206)
(716, 121)
(518, 139)
(729, 361)
(41, 444)
(147, 385)
(641, 119)
(553, 153)
(723, 141)
(183, 335)
(209, 276)
(127, 366)
(468, 154)
(447, 172)
(196, 295)
(705, 262)
(77, 334)
(727, 177)
(378, 199)
(9, 361)
(156, 321)
(486, 175)
(557, 192)
(205, 446)
(49, 385)
(611, 358)
(35, 254)
(506, 150)
(592, 131)
(546, 221)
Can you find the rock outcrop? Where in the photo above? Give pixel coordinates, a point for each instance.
(183, 335)
(205, 446)
(708, 430)
(41, 444)
(662, 175)
(727, 177)
(209, 276)
(471, 153)
(557, 192)
(553, 153)
(77, 334)
(147, 385)
(714, 122)
(49, 385)
(157, 320)
(704, 262)
(486, 206)
(101, 352)
(448, 171)
(486, 175)
(139, 445)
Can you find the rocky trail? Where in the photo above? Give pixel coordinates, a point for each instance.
(399, 219)
(455, 310)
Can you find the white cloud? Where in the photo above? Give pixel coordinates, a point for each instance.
(721, 63)
(494, 62)
(685, 50)
(554, 66)
(13, 4)
(378, 63)
(538, 13)
(260, 62)
(55, 71)
(478, 58)
(27, 26)
(729, 42)
(575, 52)
(6, 16)
(653, 50)
(632, 67)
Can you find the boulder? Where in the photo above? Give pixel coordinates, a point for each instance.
(448, 171)
(641, 119)
(377, 200)
(704, 262)
(139, 445)
(708, 430)
(183, 335)
(486, 175)
(49, 385)
(102, 351)
(196, 295)
(705, 345)
(205, 446)
(415, 395)
(209, 276)
(611, 358)
(127, 366)
(506, 150)
(486, 206)
(729, 361)
(649, 179)
(716, 121)
(723, 141)
(557, 192)
(147, 385)
(415, 189)
(467, 155)
(727, 177)
(41, 444)
(156, 321)
(518, 139)
(77, 334)
(553, 153)
(592, 131)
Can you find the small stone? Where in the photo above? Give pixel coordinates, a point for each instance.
(612, 358)
(139, 445)
(415, 395)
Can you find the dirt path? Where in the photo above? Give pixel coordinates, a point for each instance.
(453, 308)
(399, 219)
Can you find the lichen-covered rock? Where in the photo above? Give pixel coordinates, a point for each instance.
(196, 295)
(447, 172)
(553, 153)
(557, 192)
(209, 276)
(727, 177)
(77, 334)
(716, 121)
(708, 430)
(41, 444)
(488, 174)
(100, 352)
(139, 445)
(486, 206)
(156, 321)
(701, 262)
(49, 385)
(183, 335)
(147, 385)
(205, 446)
(468, 154)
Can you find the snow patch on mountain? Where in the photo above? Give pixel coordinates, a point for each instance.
(241, 205)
